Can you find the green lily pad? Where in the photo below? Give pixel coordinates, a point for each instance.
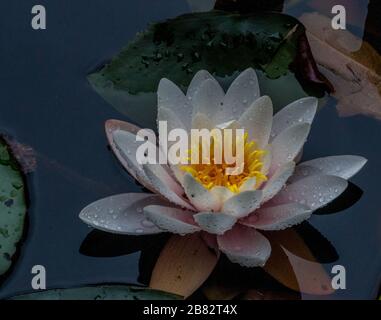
(221, 42)
(12, 207)
(100, 293)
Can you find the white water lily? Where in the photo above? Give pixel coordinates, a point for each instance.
(272, 193)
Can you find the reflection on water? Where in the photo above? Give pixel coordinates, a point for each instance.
(59, 115)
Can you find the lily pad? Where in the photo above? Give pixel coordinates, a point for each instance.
(12, 206)
(221, 42)
(99, 293)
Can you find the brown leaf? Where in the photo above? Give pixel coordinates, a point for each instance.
(356, 75)
(292, 264)
(183, 265)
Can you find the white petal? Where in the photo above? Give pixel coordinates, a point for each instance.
(288, 144)
(300, 111)
(314, 192)
(278, 180)
(199, 196)
(196, 82)
(245, 246)
(171, 219)
(208, 98)
(171, 118)
(216, 223)
(242, 93)
(248, 185)
(201, 121)
(171, 97)
(243, 203)
(340, 166)
(278, 217)
(222, 193)
(257, 120)
(122, 214)
(165, 185)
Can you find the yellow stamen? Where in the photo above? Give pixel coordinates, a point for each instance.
(214, 174)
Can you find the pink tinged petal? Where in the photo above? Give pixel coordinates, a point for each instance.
(208, 98)
(171, 97)
(242, 93)
(288, 144)
(171, 219)
(216, 223)
(248, 185)
(125, 146)
(257, 120)
(196, 82)
(199, 196)
(278, 217)
(314, 192)
(340, 166)
(278, 181)
(245, 246)
(166, 185)
(242, 203)
(300, 111)
(122, 214)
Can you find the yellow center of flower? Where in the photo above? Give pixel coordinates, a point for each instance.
(214, 174)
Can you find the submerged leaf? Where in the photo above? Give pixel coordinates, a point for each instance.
(12, 206)
(356, 75)
(99, 293)
(183, 265)
(292, 264)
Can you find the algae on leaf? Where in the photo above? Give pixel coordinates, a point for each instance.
(12, 207)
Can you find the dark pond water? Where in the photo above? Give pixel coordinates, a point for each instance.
(47, 104)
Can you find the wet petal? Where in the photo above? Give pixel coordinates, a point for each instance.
(340, 166)
(288, 144)
(199, 196)
(165, 185)
(124, 145)
(171, 118)
(299, 111)
(208, 98)
(216, 223)
(257, 120)
(196, 82)
(171, 219)
(122, 214)
(171, 97)
(278, 217)
(241, 94)
(278, 181)
(243, 203)
(245, 246)
(314, 192)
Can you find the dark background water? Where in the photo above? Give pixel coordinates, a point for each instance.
(47, 104)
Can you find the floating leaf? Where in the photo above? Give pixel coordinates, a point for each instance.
(183, 265)
(201, 5)
(255, 294)
(99, 293)
(356, 75)
(12, 206)
(292, 264)
(220, 292)
(220, 42)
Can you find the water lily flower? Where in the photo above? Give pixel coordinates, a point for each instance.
(272, 192)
